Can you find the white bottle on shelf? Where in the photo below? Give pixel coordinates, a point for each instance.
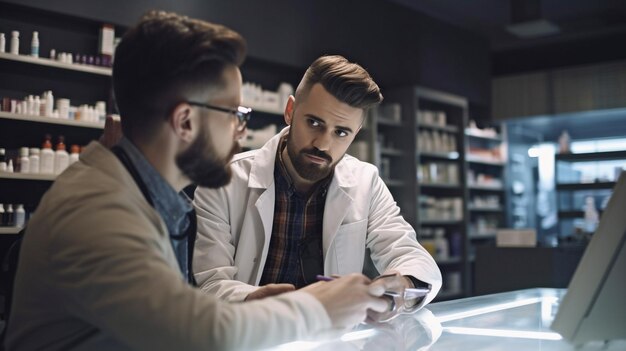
(441, 245)
(15, 42)
(3, 42)
(61, 157)
(37, 106)
(47, 157)
(34, 45)
(10, 166)
(74, 153)
(24, 160)
(2, 215)
(34, 160)
(20, 216)
(591, 215)
(49, 104)
(3, 161)
(30, 106)
(9, 215)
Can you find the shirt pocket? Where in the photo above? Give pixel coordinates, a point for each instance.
(350, 247)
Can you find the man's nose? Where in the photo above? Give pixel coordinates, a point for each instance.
(323, 141)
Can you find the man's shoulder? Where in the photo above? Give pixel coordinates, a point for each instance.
(243, 158)
(357, 166)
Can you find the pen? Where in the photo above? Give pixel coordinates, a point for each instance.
(323, 278)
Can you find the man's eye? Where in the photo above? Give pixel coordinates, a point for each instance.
(314, 123)
(341, 133)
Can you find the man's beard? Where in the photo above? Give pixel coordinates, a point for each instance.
(305, 169)
(201, 164)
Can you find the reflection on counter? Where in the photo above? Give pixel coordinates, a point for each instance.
(418, 331)
(516, 320)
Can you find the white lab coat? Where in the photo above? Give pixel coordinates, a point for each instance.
(235, 226)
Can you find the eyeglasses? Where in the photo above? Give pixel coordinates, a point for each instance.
(243, 114)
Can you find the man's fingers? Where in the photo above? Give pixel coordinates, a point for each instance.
(376, 289)
(276, 288)
(379, 305)
(269, 290)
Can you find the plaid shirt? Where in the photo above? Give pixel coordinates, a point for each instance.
(296, 217)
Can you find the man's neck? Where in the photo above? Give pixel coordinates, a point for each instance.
(162, 156)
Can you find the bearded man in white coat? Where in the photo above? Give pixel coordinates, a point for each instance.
(300, 207)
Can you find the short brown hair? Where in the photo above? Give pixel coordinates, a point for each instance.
(348, 82)
(164, 59)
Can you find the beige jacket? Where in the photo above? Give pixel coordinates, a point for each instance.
(235, 227)
(97, 272)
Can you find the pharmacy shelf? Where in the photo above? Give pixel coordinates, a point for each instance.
(591, 156)
(389, 122)
(439, 185)
(585, 186)
(474, 134)
(485, 209)
(484, 161)
(56, 64)
(394, 182)
(571, 214)
(440, 155)
(50, 120)
(264, 109)
(486, 187)
(441, 222)
(27, 176)
(449, 129)
(482, 236)
(391, 152)
(10, 230)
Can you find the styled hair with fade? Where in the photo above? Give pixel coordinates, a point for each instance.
(165, 59)
(348, 82)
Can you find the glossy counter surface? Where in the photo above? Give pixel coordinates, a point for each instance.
(517, 320)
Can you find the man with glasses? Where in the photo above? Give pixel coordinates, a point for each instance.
(300, 207)
(105, 262)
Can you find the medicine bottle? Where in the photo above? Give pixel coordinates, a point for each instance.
(20, 216)
(34, 160)
(24, 160)
(34, 45)
(47, 156)
(61, 157)
(15, 42)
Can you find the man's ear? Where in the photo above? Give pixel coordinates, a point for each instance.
(182, 123)
(289, 109)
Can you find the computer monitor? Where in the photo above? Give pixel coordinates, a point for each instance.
(594, 307)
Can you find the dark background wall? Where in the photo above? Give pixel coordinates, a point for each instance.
(399, 47)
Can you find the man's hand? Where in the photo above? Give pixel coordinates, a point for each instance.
(347, 299)
(112, 131)
(269, 290)
(391, 282)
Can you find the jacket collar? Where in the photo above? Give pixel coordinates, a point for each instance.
(262, 169)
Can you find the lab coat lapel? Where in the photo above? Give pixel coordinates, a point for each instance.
(262, 177)
(338, 203)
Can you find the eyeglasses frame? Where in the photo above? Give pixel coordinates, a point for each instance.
(242, 113)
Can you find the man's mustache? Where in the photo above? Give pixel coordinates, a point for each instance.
(318, 153)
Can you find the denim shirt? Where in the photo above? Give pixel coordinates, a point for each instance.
(173, 207)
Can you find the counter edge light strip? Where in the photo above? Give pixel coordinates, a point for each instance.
(494, 308)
